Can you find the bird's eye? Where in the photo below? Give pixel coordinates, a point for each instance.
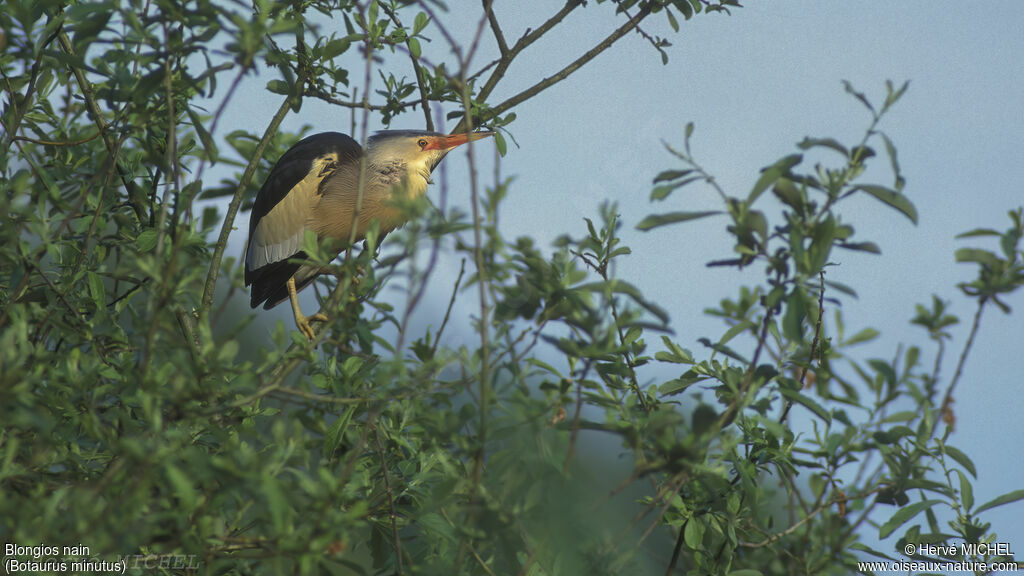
(422, 143)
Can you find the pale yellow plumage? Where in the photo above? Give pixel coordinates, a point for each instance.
(315, 187)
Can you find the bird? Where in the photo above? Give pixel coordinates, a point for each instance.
(314, 187)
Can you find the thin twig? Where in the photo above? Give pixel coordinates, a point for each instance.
(217, 116)
(324, 398)
(564, 73)
(734, 407)
(575, 427)
(677, 549)
(526, 40)
(355, 103)
(391, 501)
(435, 250)
(814, 343)
(135, 198)
(236, 200)
(50, 143)
(669, 498)
(947, 400)
(19, 111)
(448, 311)
(499, 37)
(417, 70)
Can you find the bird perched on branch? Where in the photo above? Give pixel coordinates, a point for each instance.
(315, 186)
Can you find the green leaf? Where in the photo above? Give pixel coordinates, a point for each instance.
(183, 488)
(977, 256)
(672, 21)
(891, 95)
(277, 503)
(773, 173)
(840, 287)
(693, 534)
(892, 435)
(891, 198)
(999, 501)
(279, 87)
(966, 492)
(662, 192)
(977, 232)
(671, 175)
(335, 48)
(656, 220)
(146, 241)
(96, 289)
(805, 401)
(864, 548)
(420, 23)
(960, 458)
(684, 8)
(905, 416)
(903, 515)
(859, 96)
(865, 335)
(830, 143)
(793, 320)
(372, 12)
(870, 247)
(893, 161)
(735, 330)
(336, 432)
(883, 368)
(499, 142)
(675, 355)
(204, 136)
(414, 48)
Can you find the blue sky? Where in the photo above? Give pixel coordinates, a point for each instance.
(754, 84)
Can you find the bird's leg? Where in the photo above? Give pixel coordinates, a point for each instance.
(301, 321)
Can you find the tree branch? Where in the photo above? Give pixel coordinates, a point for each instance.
(391, 502)
(530, 37)
(814, 344)
(420, 79)
(236, 199)
(135, 197)
(947, 400)
(499, 37)
(564, 73)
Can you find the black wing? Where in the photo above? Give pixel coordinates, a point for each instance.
(267, 265)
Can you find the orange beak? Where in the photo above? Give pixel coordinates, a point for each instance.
(452, 140)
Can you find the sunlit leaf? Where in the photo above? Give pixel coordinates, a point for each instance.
(656, 220)
(773, 173)
(1007, 498)
(891, 198)
(903, 515)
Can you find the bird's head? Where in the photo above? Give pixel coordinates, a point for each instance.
(420, 151)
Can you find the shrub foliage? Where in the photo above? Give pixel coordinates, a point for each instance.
(141, 418)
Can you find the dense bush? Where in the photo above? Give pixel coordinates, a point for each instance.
(140, 421)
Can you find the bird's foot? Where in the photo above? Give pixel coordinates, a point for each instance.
(302, 322)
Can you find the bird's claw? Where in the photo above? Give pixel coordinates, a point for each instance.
(302, 322)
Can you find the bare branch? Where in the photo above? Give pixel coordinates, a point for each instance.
(236, 200)
(528, 38)
(564, 73)
(135, 197)
(499, 37)
(420, 78)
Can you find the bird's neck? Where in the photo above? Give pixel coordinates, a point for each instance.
(411, 180)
